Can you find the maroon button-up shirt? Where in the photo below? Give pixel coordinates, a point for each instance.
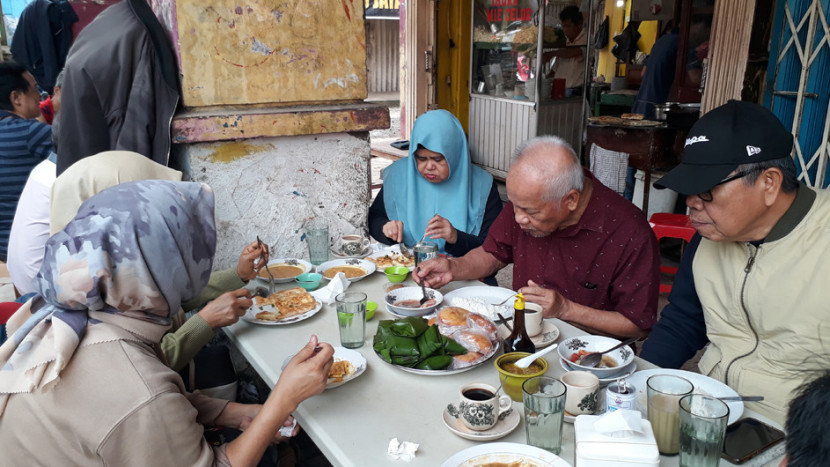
(608, 260)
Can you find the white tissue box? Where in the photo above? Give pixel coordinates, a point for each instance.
(598, 450)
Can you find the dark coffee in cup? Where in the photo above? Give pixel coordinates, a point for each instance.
(478, 394)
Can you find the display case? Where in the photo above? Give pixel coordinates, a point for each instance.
(512, 92)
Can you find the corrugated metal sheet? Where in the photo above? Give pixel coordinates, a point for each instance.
(382, 52)
(562, 118)
(497, 126)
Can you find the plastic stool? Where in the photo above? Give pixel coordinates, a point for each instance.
(668, 225)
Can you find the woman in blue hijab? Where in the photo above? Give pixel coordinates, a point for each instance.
(436, 192)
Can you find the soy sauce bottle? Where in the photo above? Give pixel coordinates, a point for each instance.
(518, 340)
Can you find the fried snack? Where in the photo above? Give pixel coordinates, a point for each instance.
(387, 261)
(468, 359)
(632, 116)
(340, 369)
(288, 303)
(473, 341)
(453, 316)
(477, 321)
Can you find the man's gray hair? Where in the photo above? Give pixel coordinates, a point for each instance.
(786, 165)
(561, 183)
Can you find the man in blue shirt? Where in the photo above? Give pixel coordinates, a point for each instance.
(24, 141)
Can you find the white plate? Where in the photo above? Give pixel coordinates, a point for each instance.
(288, 261)
(367, 266)
(482, 295)
(502, 428)
(703, 384)
(547, 337)
(250, 315)
(354, 357)
(504, 453)
(390, 250)
(626, 370)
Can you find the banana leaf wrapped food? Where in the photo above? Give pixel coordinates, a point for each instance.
(412, 342)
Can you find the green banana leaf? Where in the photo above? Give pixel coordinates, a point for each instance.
(435, 362)
(430, 341)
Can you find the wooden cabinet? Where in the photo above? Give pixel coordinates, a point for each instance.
(693, 47)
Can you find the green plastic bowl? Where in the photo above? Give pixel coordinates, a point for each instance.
(370, 310)
(309, 280)
(396, 273)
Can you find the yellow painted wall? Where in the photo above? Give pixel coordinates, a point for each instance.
(453, 62)
(271, 51)
(617, 22)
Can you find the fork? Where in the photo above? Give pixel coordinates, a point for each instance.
(267, 269)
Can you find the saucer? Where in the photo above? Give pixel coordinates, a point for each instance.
(624, 372)
(501, 429)
(338, 252)
(545, 338)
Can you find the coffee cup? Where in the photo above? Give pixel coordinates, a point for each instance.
(480, 407)
(582, 392)
(533, 319)
(352, 245)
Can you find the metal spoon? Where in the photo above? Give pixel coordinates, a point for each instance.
(267, 269)
(525, 362)
(424, 290)
(594, 358)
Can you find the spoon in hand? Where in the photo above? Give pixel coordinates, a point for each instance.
(593, 359)
(424, 290)
(525, 362)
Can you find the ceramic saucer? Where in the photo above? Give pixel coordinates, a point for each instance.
(624, 372)
(501, 429)
(338, 252)
(545, 338)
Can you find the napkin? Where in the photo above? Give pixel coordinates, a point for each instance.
(404, 450)
(620, 423)
(336, 286)
(286, 431)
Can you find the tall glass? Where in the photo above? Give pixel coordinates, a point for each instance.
(544, 400)
(317, 238)
(425, 250)
(351, 317)
(703, 422)
(664, 394)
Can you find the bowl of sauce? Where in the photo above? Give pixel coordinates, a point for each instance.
(406, 301)
(512, 377)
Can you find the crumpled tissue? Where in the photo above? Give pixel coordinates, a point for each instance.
(404, 450)
(287, 431)
(621, 423)
(336, 286)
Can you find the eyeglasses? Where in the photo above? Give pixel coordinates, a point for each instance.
(707, 196)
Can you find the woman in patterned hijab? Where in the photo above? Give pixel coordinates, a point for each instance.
(81, 382)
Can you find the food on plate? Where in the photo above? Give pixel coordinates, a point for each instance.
(413, 343)
(340, 369)
(473, 341)
(480, 322)
(502, 460)
(415, 303)
(606, 120)
(350, 271)
(469, 358)
(287, 303)
(453, 316)
(632, 116)
(281, 271)
(393, 259)
(607, 361)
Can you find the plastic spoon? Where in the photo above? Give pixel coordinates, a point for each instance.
(525, 362)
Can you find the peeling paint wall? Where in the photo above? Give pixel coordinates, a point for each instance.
(271, 186)
(271, 51)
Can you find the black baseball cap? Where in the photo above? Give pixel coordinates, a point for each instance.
(730, 135)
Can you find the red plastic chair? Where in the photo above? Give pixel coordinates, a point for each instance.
(7, 309)
(668, 225)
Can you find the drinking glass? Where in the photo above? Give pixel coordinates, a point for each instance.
(702, 430)
(317, 238)
(425, 250)
(351, 316)
(544, 400)
(664, 394)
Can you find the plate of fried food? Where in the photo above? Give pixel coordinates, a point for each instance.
(284, 307)
(284, 269)
(348, 365)
(354, 268)
(392, 256)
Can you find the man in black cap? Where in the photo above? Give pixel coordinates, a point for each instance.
(752, 282)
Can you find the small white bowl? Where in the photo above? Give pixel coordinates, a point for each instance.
(623, 356)
(411, 293)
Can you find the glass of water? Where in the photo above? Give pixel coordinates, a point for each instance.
(702, 430)
(351, 317)
(544, 401)
(425, 250)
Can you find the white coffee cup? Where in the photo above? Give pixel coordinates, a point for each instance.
(352, 245)
(481, 407)
(533, 319)
(583, 392)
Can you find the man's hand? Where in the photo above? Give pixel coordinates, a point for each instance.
(554, 305)
(248, 265)
(434, 273)
(306, 373)
(438, 227)
(393, 230)
(227, 308)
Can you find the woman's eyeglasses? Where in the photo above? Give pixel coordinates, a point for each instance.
(707, 197)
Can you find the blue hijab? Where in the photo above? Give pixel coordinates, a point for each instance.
(461, 198)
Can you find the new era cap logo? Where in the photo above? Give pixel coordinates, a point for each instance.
(752, 150)
(696, 139)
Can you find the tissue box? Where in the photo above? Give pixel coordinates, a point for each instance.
(598, 450)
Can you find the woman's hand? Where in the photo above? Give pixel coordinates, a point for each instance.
(227, 308)
(394, 230)
(248, 266)
(438, 227)
(306, 374)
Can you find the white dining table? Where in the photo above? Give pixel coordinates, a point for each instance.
(353, 424)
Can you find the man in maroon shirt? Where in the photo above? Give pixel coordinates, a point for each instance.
(580, 250)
